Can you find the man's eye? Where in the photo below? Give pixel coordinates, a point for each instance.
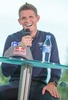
(23, 18)
(31, 16)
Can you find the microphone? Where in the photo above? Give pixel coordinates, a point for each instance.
(27, 32)
(63, 84)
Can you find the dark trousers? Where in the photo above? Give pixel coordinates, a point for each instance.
(10, 92)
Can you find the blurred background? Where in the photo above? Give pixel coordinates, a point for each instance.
(53, 18)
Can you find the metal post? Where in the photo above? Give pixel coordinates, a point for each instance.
(25, 81)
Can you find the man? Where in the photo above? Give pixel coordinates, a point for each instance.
(39, 90)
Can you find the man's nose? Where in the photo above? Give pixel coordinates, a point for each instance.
(27, 20)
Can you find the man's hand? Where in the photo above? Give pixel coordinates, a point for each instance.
(51, 88)
(26, 40)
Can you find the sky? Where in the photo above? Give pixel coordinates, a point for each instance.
(53, 18)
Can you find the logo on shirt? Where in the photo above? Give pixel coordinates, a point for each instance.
(40, 43)
(14, 43)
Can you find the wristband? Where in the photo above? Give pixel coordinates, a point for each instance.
(55, 83)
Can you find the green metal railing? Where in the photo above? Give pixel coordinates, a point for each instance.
(33, 63)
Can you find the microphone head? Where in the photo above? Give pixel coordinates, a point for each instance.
(27, 31)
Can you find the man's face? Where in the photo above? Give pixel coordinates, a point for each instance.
(28, 19)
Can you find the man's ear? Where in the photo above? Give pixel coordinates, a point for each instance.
(38, 17)
(19, 21)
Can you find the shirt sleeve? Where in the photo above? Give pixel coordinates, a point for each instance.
(55, 73)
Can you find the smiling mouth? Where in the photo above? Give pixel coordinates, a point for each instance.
(28, 25)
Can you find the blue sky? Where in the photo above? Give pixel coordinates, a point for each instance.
(53, 18)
